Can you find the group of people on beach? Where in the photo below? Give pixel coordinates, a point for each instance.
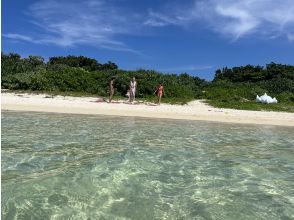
(131, 93)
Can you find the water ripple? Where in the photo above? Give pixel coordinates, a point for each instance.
(58, 166)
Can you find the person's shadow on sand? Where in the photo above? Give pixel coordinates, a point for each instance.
(103, 100)
(151, 104)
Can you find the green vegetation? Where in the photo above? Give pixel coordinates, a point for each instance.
(81, 76)
(237, 87)
(85, 75)
(252, 105)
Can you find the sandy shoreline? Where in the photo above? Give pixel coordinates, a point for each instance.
(195, 110)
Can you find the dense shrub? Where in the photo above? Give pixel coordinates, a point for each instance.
(82, 74)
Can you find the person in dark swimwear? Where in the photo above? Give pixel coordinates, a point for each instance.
(159, 92)
(111, 89)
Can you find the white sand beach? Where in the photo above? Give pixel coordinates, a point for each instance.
(195, 110)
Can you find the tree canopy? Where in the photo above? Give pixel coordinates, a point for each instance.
(83, 74)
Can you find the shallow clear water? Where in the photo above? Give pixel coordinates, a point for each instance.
(58, 166)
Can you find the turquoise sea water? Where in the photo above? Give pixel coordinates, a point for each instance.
(59, 166)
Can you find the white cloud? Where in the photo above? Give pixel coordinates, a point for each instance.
(101, 23)
(159, 20)
(69, 23)
(240, 21)
(231, 18)
(243, 17)
(18, 37)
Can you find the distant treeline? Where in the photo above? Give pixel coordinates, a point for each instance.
(245, 82)
(83, 74)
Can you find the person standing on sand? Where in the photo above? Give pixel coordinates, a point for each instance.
(159, 92)
(133, 87)
(111, 89)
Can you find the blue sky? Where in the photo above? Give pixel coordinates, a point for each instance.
(193, 36)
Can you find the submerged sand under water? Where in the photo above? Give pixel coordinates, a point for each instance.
(63, 166)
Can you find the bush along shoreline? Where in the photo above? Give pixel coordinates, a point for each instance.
(235, 87)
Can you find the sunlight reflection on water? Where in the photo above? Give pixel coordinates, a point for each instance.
(58, 166)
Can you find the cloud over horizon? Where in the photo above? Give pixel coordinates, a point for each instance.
(270, 18)
(68, 23)
(232, 18)
(101, 23)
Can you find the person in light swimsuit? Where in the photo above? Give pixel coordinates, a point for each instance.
(159, 91)
(133, 87)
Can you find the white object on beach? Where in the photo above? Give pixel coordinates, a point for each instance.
(266, 99)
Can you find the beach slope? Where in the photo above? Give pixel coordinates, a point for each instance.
(195, 110)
